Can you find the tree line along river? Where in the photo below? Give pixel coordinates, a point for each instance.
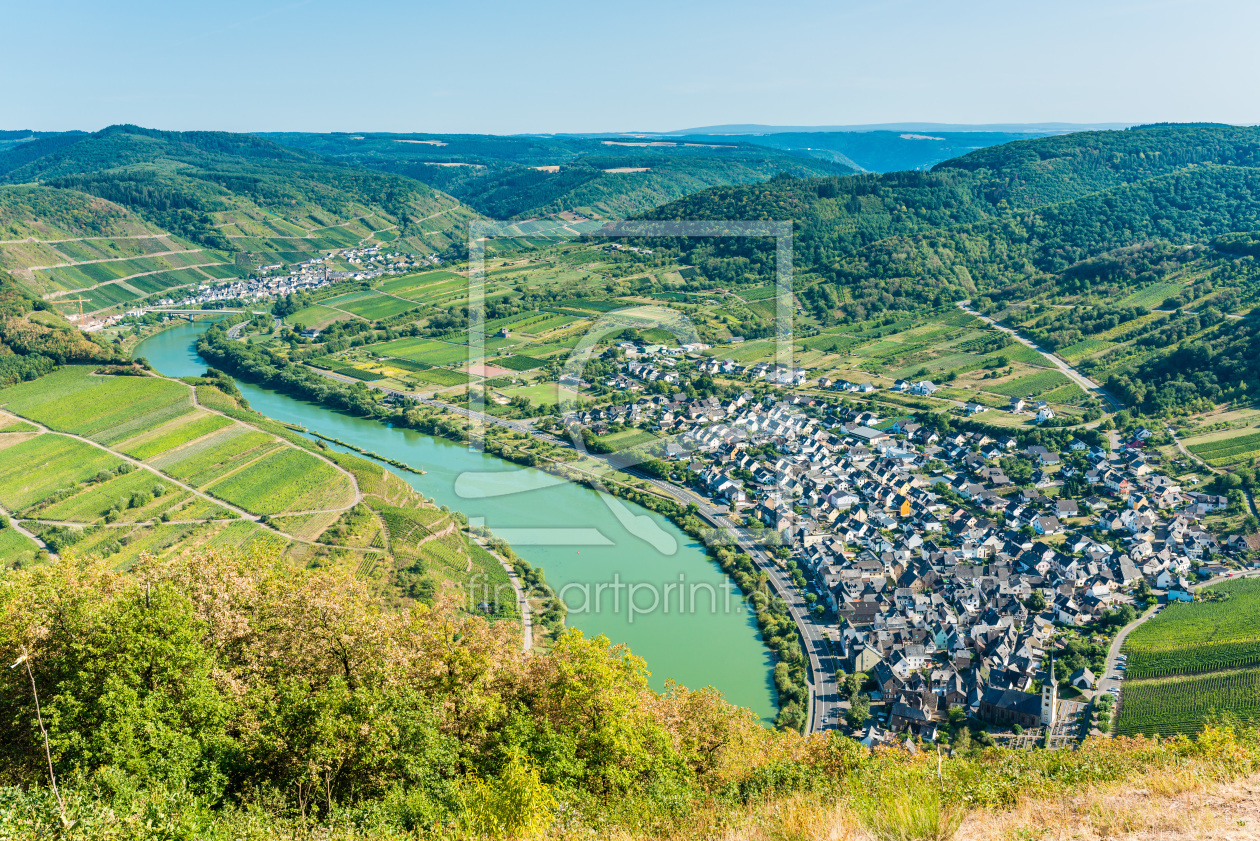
(659, 593)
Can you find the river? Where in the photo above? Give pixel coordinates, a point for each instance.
(624, 571)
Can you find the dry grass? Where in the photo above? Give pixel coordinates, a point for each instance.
(1174, 805)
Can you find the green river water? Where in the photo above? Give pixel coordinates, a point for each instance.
(624, 572)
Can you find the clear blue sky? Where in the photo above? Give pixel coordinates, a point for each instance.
(559, 66)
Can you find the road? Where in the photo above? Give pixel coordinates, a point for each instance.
(1070, 372)
(824, 698)
(527, 617)
(1107, 680)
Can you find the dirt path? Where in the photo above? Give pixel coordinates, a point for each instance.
(13, 524)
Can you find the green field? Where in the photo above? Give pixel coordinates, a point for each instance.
(519, 363)
(172, 434)
(32, 469)
(73, 400)
(15, 547)
(1031, 385)
(442, 376)
(1180, 704)
(1227, 451)
(96, 499)
(1083, 348)
(1205, 636)
(370, 305)
(286, 480)
(212, 457)
(429, 351)
(410, 283)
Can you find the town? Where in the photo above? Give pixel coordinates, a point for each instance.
(952, 566)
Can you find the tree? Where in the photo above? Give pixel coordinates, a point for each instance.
(852, 685)
(1036, 602)
(859, 711)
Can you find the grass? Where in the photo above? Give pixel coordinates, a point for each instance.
(287, 480)
(519, 363)
(206, 460)
(371, 305)
(32, 469)
(1182, 704)
(15, 547)
(442, 376)
(915, 812)
(424, 350)
(95, 500)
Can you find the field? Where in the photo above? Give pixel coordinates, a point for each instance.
(1032, 385)
(1227, 451)
(73, 400)
(173, 434)
(1180, 704)
(1187, 638)
(95, 500)
(32, 469)
(442, 377)
(288, 480)
(428, 351)
(520, 363)
(207, 459)
(409, 283)
(15, 547)
(370, 305)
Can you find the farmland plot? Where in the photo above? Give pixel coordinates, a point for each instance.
(74, 400)
(1168, 706)
(288, 480)
(173, 434)
(32, 469)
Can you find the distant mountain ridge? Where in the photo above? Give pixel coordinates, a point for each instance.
(1035, 128)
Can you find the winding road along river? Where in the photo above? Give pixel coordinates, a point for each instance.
(571, 532)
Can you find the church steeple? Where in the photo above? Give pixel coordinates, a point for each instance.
(1050, 697)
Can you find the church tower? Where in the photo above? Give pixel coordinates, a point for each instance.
(1050, 698)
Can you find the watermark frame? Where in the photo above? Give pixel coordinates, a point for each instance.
(480, 231)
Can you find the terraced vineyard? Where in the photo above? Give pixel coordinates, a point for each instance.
(1167, 706)
(1189, 638)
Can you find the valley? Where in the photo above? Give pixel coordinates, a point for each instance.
(1012, 414)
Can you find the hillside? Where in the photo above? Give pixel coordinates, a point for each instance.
(524, 177)
(1031, 222)
(872, 151)
(129, 212)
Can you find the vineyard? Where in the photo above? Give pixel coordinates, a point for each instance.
(1227, 450)
(1181, 704)
(1188, 638)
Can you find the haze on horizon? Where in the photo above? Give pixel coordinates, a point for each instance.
(488, 66)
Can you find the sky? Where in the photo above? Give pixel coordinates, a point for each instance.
(552, 66)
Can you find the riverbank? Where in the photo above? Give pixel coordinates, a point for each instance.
(555, 524)
(773, 619)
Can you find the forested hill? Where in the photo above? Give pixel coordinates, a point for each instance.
(1045, 221)
(215, 188)
(873, 234)
(524, 176)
